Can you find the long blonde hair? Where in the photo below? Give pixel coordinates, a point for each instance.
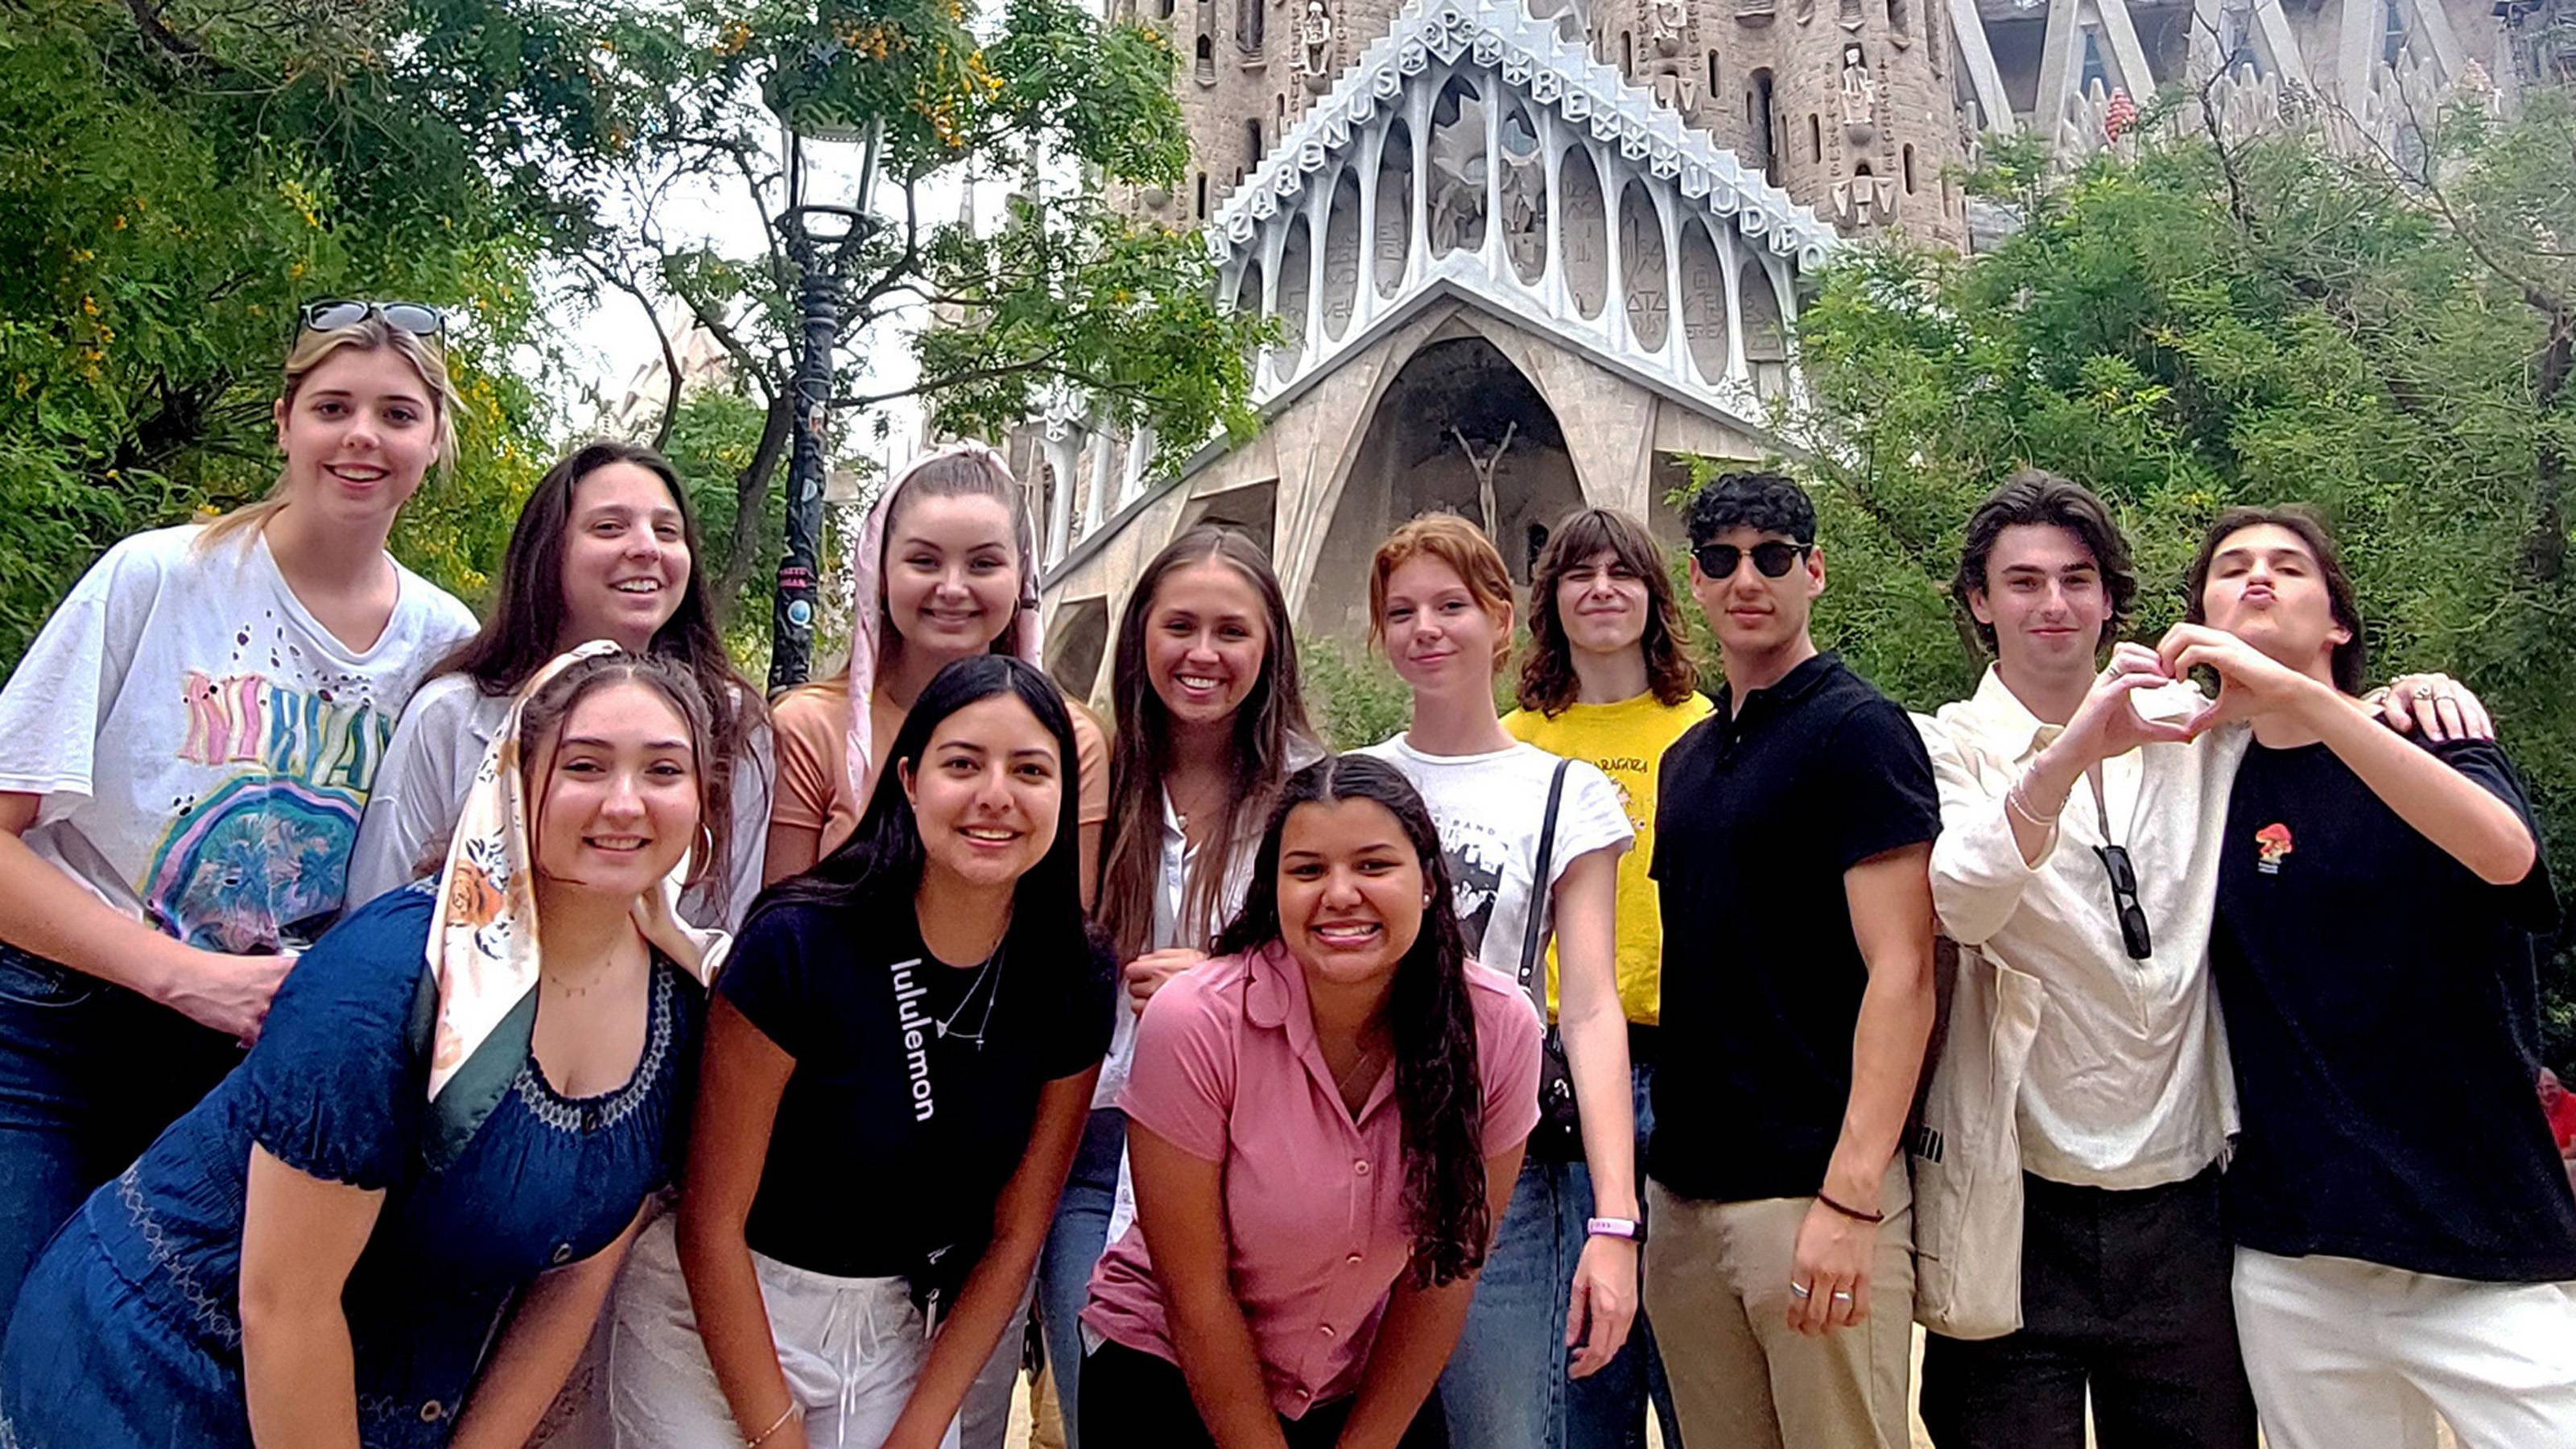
(370, 333)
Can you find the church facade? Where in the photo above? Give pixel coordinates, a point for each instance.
(1526, 255)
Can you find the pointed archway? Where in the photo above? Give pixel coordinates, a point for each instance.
(1457, 424)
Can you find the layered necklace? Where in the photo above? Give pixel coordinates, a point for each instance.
(988, 984)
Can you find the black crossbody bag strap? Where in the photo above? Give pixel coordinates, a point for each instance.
(1533, 930)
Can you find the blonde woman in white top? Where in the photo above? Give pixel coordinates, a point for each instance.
(184, 753)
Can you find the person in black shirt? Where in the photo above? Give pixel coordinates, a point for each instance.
(898, 1063)
(2405, 1234)
(1793, 834)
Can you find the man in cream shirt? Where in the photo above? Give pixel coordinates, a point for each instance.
(2081, 829)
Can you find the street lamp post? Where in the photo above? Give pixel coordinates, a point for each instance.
(822, 237)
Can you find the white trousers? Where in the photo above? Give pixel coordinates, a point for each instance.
(2351, 1355)
(851, 1349)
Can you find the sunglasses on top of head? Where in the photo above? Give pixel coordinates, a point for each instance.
(1773, 557)
(417, 318)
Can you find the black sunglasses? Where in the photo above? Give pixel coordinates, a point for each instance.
(2124, 895)
(417, 318)
(1774, 558)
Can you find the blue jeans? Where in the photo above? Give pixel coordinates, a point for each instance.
(1073, 1248)
(1507, 1383)
(89, 1074)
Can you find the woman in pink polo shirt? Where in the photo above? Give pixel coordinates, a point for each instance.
(1324, 1124)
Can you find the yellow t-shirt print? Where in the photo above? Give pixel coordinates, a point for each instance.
(1625, 741)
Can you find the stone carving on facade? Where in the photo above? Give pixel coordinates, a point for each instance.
(1394, 223)
(1315, 47)
(1342, 257)
(1754, 12)
(1665, 22)
(1859, 92)
(1583, 233)
(1641, 268)
(1703, 303)
(1850, 17)
(1802, 11)
(1864, 201)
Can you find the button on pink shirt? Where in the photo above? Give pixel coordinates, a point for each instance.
(1227, 1069)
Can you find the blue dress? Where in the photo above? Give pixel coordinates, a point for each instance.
(127, 1334)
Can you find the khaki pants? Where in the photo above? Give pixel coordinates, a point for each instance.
(1717, 1283)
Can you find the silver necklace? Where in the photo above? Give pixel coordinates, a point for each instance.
(946, 1026)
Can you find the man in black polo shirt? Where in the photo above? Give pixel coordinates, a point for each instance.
(1794, 830)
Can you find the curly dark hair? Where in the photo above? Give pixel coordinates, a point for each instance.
(1764, 501)
(1430, 1017)
(1548, 684)
(2037, 496)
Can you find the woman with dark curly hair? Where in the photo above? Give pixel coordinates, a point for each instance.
(1324, 1124)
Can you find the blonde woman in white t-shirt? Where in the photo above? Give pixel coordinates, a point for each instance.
(1558, 1295)
(184, 753)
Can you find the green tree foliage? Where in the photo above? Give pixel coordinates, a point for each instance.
(175, 179)
(1066, 291)
(2212, 324)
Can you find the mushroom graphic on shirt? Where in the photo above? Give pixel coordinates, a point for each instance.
(2271, 843)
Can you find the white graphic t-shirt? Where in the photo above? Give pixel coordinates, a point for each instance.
(202, 746)
(1489, 808)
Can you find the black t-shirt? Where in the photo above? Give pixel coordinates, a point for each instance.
(1757, 817)
(894, 1138)
(2381, 1010)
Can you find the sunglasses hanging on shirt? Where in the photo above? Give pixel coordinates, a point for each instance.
(1772, 557)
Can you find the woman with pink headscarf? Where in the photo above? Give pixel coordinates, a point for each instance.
(945, 567)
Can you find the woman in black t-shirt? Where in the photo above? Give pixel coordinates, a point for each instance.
(899, 1060)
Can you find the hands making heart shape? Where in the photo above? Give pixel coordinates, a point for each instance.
(2250, 683)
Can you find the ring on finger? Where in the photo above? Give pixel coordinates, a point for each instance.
(1842, 1297)
(2423, 691)
(1802, 1290)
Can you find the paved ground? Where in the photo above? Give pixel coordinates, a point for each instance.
(1020, 1424)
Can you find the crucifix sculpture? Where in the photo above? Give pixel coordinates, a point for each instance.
(1485, 470)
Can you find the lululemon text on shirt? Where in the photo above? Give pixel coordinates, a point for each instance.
(916, 1028)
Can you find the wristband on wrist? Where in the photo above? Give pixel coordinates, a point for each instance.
(1855, 1214)
(1633, 1229)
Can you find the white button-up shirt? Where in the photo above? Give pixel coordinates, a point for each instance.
(2128, 1084)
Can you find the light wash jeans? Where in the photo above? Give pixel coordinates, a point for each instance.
(1073, 1248)
(1507, 1383)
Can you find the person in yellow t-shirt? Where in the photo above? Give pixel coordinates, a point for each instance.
(1607, 682)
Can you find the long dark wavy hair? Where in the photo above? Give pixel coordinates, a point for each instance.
(1267, 725)
(1547, 683)
(882, 859)
(1430, 1017)
(519, 636)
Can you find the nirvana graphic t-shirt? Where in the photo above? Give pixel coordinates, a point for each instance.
(1489, 809)
(2381, 1009)
(203, 747)
(923, 1072)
